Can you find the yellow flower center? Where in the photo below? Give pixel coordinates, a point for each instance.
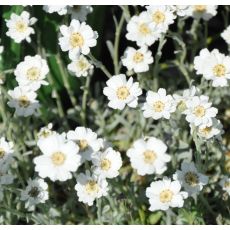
(199, 111)
(33, 74)
(105, 164)
(149, 156)
(205, 131)
(138, 57)
(2, 153)
(219, 70)
(20, 26)
(158, 106)
(166, 196)
(144, 29)
(83, 144)
(91, 187)
(200, 8)
(58, 158)
(181, 105)
(81, 64)
(34, 192)
(122, 92)
(191, 178)
(227, 184)
(23, 101)
(76, 40)
(158, 17)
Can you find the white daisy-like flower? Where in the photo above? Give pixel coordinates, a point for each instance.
(180, 10)
(141, 30)
(19, 27)
(5, 176)
(90, 187)
(205, 12)
(32, 72)
(158, 105)
(188, 94)
(215, 129)
(162, 17)
(121, 92)
(35, 193)
(199, 111)
(137, 59)
(226, 35)
(80, 12)
(80, 67)
(225, 184)
(191, 180)
(77, 38)
(46, 131)
(60, 158)
(60, 9)
(6, 151)
(214, 66)
(165, 194)
(148, 156)
(107, 163)
(87, 141)
(23, 99)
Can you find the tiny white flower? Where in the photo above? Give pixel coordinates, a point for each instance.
(80, 12)
(80, 67)
(225, 184)
(6, 151)
(46, 131)
(87, 141)
(149, 156)
(165, 194)
(158, 105)
(5, 176)
(181, 10)
(141, 30)
(191, 180)
(35, 193)
(226, 35)
(32, 72)
(137, 59)
(199, 111)
(213, 66)
(60, 9)
(23, 99)
(107, 163)
(162, 17)
(19, 27)
(90, 187)
(77, 38)
(60, 158)
(121, 92)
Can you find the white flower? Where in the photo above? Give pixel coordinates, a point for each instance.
(77, 38)
(19, 27)
(80, 12)
(87, 141)
(162, 17)
(6, 150)
(149, 156)
(165, 194)
(158, 105)
(35, 193)
(121, 92)
(188, 94)
(181, 10)
(141, 30)
(46, 131)
(137, 59)
(191, 180)
(199, 111)
(32, 72)
(202, 11)
(23, 100)
(226, 35)
(213, 66)
(215, 129)
(60, 158)
(60, 9)
(5, 177)
(225, 184)
(107, 163)
(80, 67)
(90, 187)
